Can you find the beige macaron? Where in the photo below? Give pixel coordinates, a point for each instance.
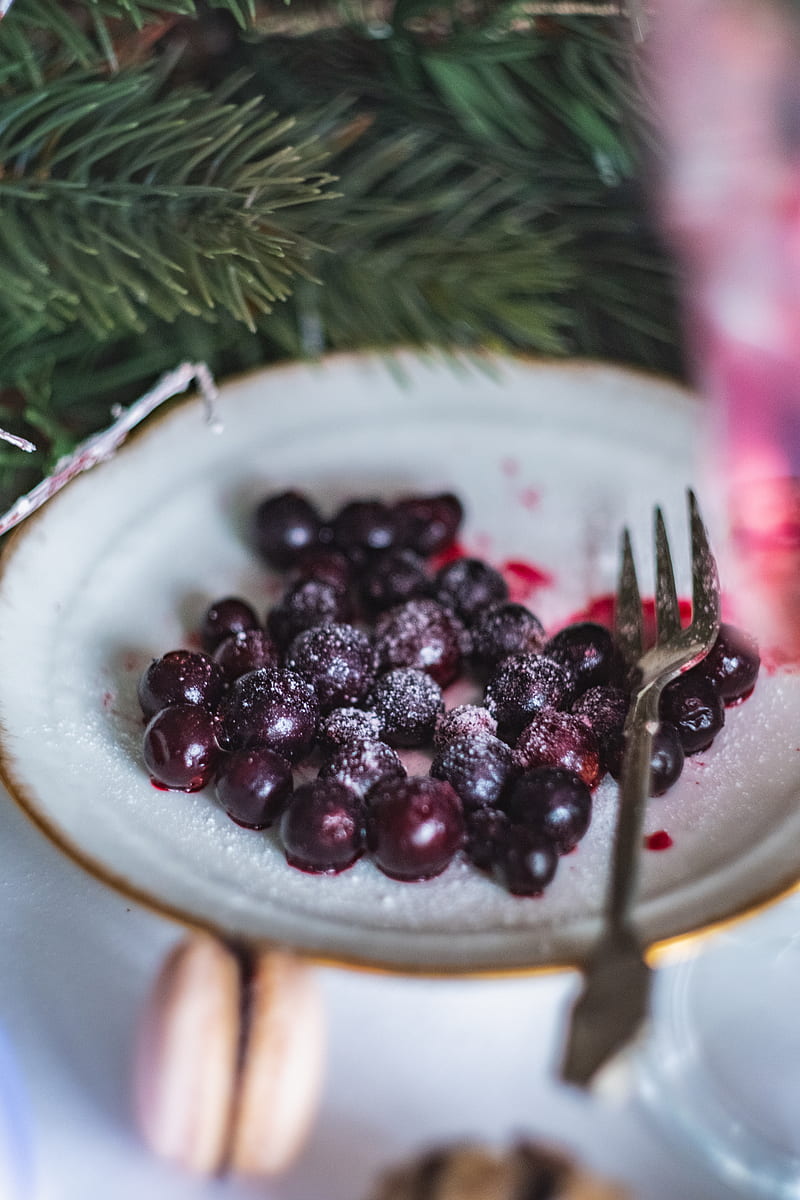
(230, 1058)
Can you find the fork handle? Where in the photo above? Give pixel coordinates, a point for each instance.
(640, 727)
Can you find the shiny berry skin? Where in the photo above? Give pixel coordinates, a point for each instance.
(694, 706)
(522, 686)
(468, 586)
(273, 708)
(394, 577)
(523, 861)
(336, 660)
(408, 702)
(180, 747)
(363, 528)
(346, 725)
(732, 664)
(552, 803)
(322, 828)
(430, 523)
(587, 652)
(420, 634)
(246, 651)
(505, 629)
(254, 786)
(477, 768)
(604, 709)
(360, 766)
(666, 759)
(284, 526)
(180, 677)
(465, 720)
(415, 827)
(559, 739)
(225, 617)
(325, 565)
(486, 829)
(307, 603)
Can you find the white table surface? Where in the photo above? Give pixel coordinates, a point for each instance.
(411, 1061)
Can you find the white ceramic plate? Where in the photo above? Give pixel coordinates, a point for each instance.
(551, 460)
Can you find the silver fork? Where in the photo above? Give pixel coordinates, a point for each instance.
(615, 996)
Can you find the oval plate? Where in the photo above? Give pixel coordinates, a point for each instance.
(551, 460)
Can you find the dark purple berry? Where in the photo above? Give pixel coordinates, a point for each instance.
(336, 660)
(430, 523)
(305, 604)
(421, 634)
(363, 528)
(325, 565)
(694, 706)
(246, 651)
(322, 828)
(223, 618)
(522, 686)
(465, 720)
(180, 747)
(254, 786)
(666, 759)
(408, 702)
(732, 664)
(393, 578)
(587, 652)
(604, 710)
(505, 629)
(273, 708)
(524, 862)
(552, 803)
(180, 677)
(360, 766)
(559, 739)
(414, 827)
(285, 525)
(478, 769)
(469, 585)
(486, 829)
(346, 725)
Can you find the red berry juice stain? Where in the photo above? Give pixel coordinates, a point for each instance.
(510, 467)
(529, 497)
(660, 840)
(449, 554)
(600, 609)
(108, 700)
(524, 578)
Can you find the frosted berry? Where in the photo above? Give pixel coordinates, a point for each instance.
(254, 786)
(552, 803)
(346, 725)
(415, 827)
(224, 617)
(523, 861)
(180, 677)
(180, 747)
(465, 720)
(604, 709)
(694, 706)
(421, 634)
(559, 739)
(336, 660)
(393, 578)
(307, 603)
(246, 651)
(587, 652)
(477, 768)
(408, 702)
(522, 686)
(505, 629)
(732, 664)
(363, 528)
(284, 526)
(486, 829)
(273, 708)
(469, 585)
(430, 523)
(322, 828)
(362, 765)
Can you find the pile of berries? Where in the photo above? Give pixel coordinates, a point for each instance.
(349, 667)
